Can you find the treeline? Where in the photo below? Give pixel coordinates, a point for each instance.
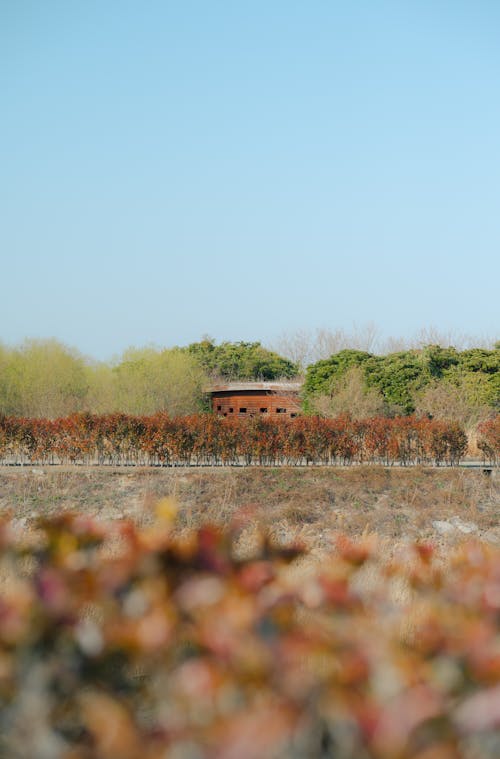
(440, 382)
(207, 439)
(43, 378)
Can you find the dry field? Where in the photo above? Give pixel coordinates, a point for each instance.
(397, 504)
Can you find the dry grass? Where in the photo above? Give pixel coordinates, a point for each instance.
(400, 505)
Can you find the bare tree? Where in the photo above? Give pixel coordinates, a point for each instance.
(462, 402)
(308, 346)
(431, 335)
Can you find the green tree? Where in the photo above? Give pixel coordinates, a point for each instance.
(322, 376)
(241, 361)
(480, 360)
(464, 383)
(439, 359)
(399, 377)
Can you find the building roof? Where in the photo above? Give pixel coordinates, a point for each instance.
(276, 387)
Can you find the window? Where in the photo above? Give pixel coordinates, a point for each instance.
(281, 410)
(263, 411)
(292, 416)
(243, 411)
(219, 408)
(231, 410)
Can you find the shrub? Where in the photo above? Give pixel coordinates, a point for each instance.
(122, 439)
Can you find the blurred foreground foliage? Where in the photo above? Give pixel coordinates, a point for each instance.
(117, 643)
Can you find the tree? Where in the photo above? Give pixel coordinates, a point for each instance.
(44, 378)
(305, 347)
(349, 395)
(241, 361)
(147, 380)
(322, 376)
(444, 400)
(101, 394)
(398, 376)
(4, 383)
(440, 359)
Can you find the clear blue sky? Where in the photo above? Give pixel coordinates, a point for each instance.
(242, 168)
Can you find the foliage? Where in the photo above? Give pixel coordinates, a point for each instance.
(396, 376)
(119, 644)
(349, 395)
(478, 388)
(241, 360)
(464, 399)
(439, 359)
(148, 380)
(322, 373)
(44, 378)
(208, 439)
(480, 360)
(101, 395)
(403, 377)
(489, 439)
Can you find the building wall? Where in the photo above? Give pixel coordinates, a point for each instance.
(255, 402)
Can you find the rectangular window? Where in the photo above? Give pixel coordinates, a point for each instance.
(243, 411)
(230, 410)
(219, 408)
(292, 416)
(281, 410)
(263, 411)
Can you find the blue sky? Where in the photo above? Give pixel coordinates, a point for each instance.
(240, 169)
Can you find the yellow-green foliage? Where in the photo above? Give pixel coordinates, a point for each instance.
(148, 380)
(44, 378)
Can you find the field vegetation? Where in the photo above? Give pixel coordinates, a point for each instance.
(307, 503)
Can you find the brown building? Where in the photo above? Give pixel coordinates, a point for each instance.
(241, 399)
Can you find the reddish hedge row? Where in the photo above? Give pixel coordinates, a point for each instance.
(489, 439)
(206, 439)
